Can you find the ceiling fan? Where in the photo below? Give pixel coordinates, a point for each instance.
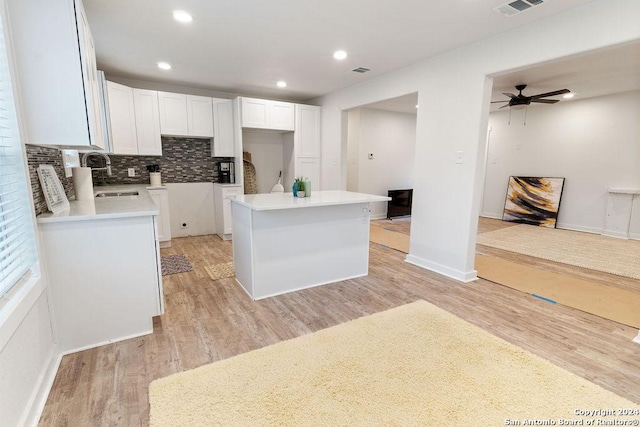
(521, 101)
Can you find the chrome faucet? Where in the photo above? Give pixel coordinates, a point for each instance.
(107, 166)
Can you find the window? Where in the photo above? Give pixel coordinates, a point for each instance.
(17, 248)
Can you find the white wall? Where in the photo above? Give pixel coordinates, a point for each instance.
(191, 203)
(391, 138)
(593, 143)
(446, 199)
(353, 149)
(267, 156)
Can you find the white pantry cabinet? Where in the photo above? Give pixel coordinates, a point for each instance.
(307, 134)
(267, 114)
(134, 120)
(56, 73)
(222, 207)
(160, 197)
(223, 139)
(185, 115)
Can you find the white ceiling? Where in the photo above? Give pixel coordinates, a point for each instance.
(599, 73)
(245, 46)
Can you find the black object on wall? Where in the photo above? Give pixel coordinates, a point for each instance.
(400, 203)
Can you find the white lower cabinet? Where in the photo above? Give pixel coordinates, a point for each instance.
(160, 197)
(104, 279)
(222, 207)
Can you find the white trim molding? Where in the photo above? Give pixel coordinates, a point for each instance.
(460, 276)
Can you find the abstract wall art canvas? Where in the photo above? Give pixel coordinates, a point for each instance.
(533, 200)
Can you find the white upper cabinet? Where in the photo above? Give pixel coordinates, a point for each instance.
(173, 114)
(135, 120)
(307, 134)
(266, 114)
(185, 115)
(124, 139)
(147, 122)
(56, 73)
(200, 116)
(223, 141)
(281, 115)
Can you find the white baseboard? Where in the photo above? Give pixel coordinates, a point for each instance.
(458, 275)
(618, 234)
(574, 227)
(637, 339)
(491, 215)
(122, 338)
(378, 216)
(41, 393)
(634, 236)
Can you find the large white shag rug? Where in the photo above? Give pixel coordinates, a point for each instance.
(592, 251)
(412, 365)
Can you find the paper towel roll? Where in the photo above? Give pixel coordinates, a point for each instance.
(83, 183)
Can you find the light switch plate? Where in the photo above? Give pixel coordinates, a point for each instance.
(459, 159)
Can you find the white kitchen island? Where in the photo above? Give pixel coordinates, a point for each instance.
(282, 243)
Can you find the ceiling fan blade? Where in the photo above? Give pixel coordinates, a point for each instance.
(554, 93)
(493, 102)
(546, 101)
(510, 95)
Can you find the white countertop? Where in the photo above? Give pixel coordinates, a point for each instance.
(275, 201)
(107, 207)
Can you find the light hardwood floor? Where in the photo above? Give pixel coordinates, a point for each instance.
(208, 320)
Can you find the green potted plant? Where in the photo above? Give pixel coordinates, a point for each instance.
(299, 186)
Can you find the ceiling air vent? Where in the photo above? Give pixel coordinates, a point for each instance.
(517, 6)
(360, 70)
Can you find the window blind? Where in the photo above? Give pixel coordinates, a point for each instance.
(17, 248)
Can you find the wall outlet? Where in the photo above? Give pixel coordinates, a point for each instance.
(184, 225)
(132, 172)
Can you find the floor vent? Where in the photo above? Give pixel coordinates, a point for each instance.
(517, 6)
(361, 70)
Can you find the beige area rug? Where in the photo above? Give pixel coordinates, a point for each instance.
(412, 365)
(220, 271)
(391, 239)
(592, 251)
(615, 304)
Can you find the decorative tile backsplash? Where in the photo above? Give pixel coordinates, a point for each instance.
(183, 160)
(46, 156)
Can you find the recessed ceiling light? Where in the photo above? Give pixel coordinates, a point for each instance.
(568, 95)
(340, 55)
(182, 16)
(281, 83)
(164, 65)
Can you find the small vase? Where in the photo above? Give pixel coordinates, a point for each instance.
(307, 188)
(295, 189)
(300, 194)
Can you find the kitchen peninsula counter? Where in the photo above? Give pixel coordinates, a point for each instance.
(107, 207)
(104, 269)
(282, 243)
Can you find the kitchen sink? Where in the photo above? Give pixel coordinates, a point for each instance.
(117, 193)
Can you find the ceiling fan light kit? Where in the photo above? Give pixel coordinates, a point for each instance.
(521, 101)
